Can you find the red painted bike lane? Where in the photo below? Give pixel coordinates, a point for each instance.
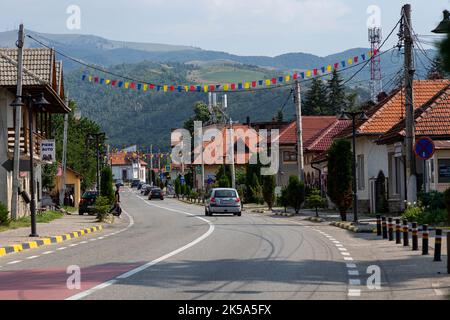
(51, 284)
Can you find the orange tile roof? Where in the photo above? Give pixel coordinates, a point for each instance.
(391, 111)
(432, 119)
(123, 159)
(312, 125)
(322, 141)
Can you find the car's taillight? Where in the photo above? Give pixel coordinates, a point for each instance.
(238, 200)
(213, 200)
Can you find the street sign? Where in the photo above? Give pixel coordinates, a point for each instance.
(48, 151)
(425, 148)
(183, 180)
(24, 165)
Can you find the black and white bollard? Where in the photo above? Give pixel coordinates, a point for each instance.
(398, 233)
(384, 225)
(425, 241)
(405, 233)
(415, 237)
(438, 245)
(379, 231)
(391, 229)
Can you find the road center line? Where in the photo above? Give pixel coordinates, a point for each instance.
(154, 262)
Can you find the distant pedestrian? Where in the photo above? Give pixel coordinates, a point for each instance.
(116, 209)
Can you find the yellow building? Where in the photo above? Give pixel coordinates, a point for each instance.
(73, 184)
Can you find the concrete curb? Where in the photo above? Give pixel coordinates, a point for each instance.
(285, 214)
(47, 241)
(350, 227)
(315, 219)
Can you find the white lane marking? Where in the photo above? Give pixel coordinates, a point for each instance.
(92, 240)
(48, 252)
(351, 265)
(62, 248)
(74, 245)
(355, 282)
(15, 262)
(353, 273)
(348, 259)
(151, 263)
(32, 257)
(101, 238)
(354, 293)
(83, 242)
(342, 249)
(340, 245)
(345, 253)
(337, 242)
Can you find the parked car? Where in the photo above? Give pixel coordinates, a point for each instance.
(135, 183)
(139, 187)
(87, 202)
(143, 188)
(147, 190)
(223, 201)
(156, 193)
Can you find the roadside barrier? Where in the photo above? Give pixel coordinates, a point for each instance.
(405, 233)
(391, 229)
(415, 238)
(398, 235)
(379, 231)
(425, 239)
(438, 245)
(385, 233)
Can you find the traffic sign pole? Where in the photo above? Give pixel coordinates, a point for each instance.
(425, 150)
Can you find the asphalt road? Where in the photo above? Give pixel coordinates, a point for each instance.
(170, 250)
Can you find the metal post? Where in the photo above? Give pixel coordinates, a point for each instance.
(409, 103)
(300, 159)
(405, 233)
(385, 231)
(438, 245)
(415, 238)
(398, 236)
(379, 231)
(391, 229)
(233, 172)
(32, 182)
(17, 127)
(355, 191)
(425, 241)
(98, 164)
(64, 159)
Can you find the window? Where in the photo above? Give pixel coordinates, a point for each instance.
(395, 174)
(289, 156)
(444, 170)
(360, 172)
(225, 194)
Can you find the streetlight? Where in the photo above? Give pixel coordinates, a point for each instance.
(361, 115)
(444, 25)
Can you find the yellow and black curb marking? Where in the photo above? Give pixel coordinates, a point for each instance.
(350, 227)
(47, 241)
(315, 219)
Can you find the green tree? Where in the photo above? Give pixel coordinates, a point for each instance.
(436, 70)
(283, 199)
(336, 93)
(256, 190)
(340, 178)
(49, 176)
(316, 99)
(106, 184)
(201, 113)
(252, 170)
(178, 187)
(268, 187)
(314, 200)
(4, 214)
(295, 193)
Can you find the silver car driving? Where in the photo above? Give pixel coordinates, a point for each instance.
(223, 201)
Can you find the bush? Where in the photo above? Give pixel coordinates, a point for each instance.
(257, 191)
(101, 208)
(413, 213)
(295, 193)
(447, 203)
(315, 201)
(4, 215)
(433, 200)
(177, 187)
(418, 213)
(269, 190)
(106, 184)
(282, 200)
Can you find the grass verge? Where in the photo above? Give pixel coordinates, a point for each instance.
(45, 217)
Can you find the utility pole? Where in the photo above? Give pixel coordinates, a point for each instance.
(18, 124)
(64, 158)
(300, 159)
(409, 104)
(231, 145)
(151, 165)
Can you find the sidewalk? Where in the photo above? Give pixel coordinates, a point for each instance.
(67, 224)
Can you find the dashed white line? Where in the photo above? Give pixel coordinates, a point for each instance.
(15, 262)
(83, 242)
(353, 273)
(355, 282)
(32, 257)
(62, 248)
(74, 245)
(348, 258)
(351, 265)
(354, 293)
(48, 252)
(345, 253)
(342, 249)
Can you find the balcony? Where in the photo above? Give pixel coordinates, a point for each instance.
(25, 143)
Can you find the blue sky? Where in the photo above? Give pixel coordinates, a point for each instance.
(245, 27)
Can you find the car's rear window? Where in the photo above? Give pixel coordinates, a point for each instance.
(89, 195)
(225, 194)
